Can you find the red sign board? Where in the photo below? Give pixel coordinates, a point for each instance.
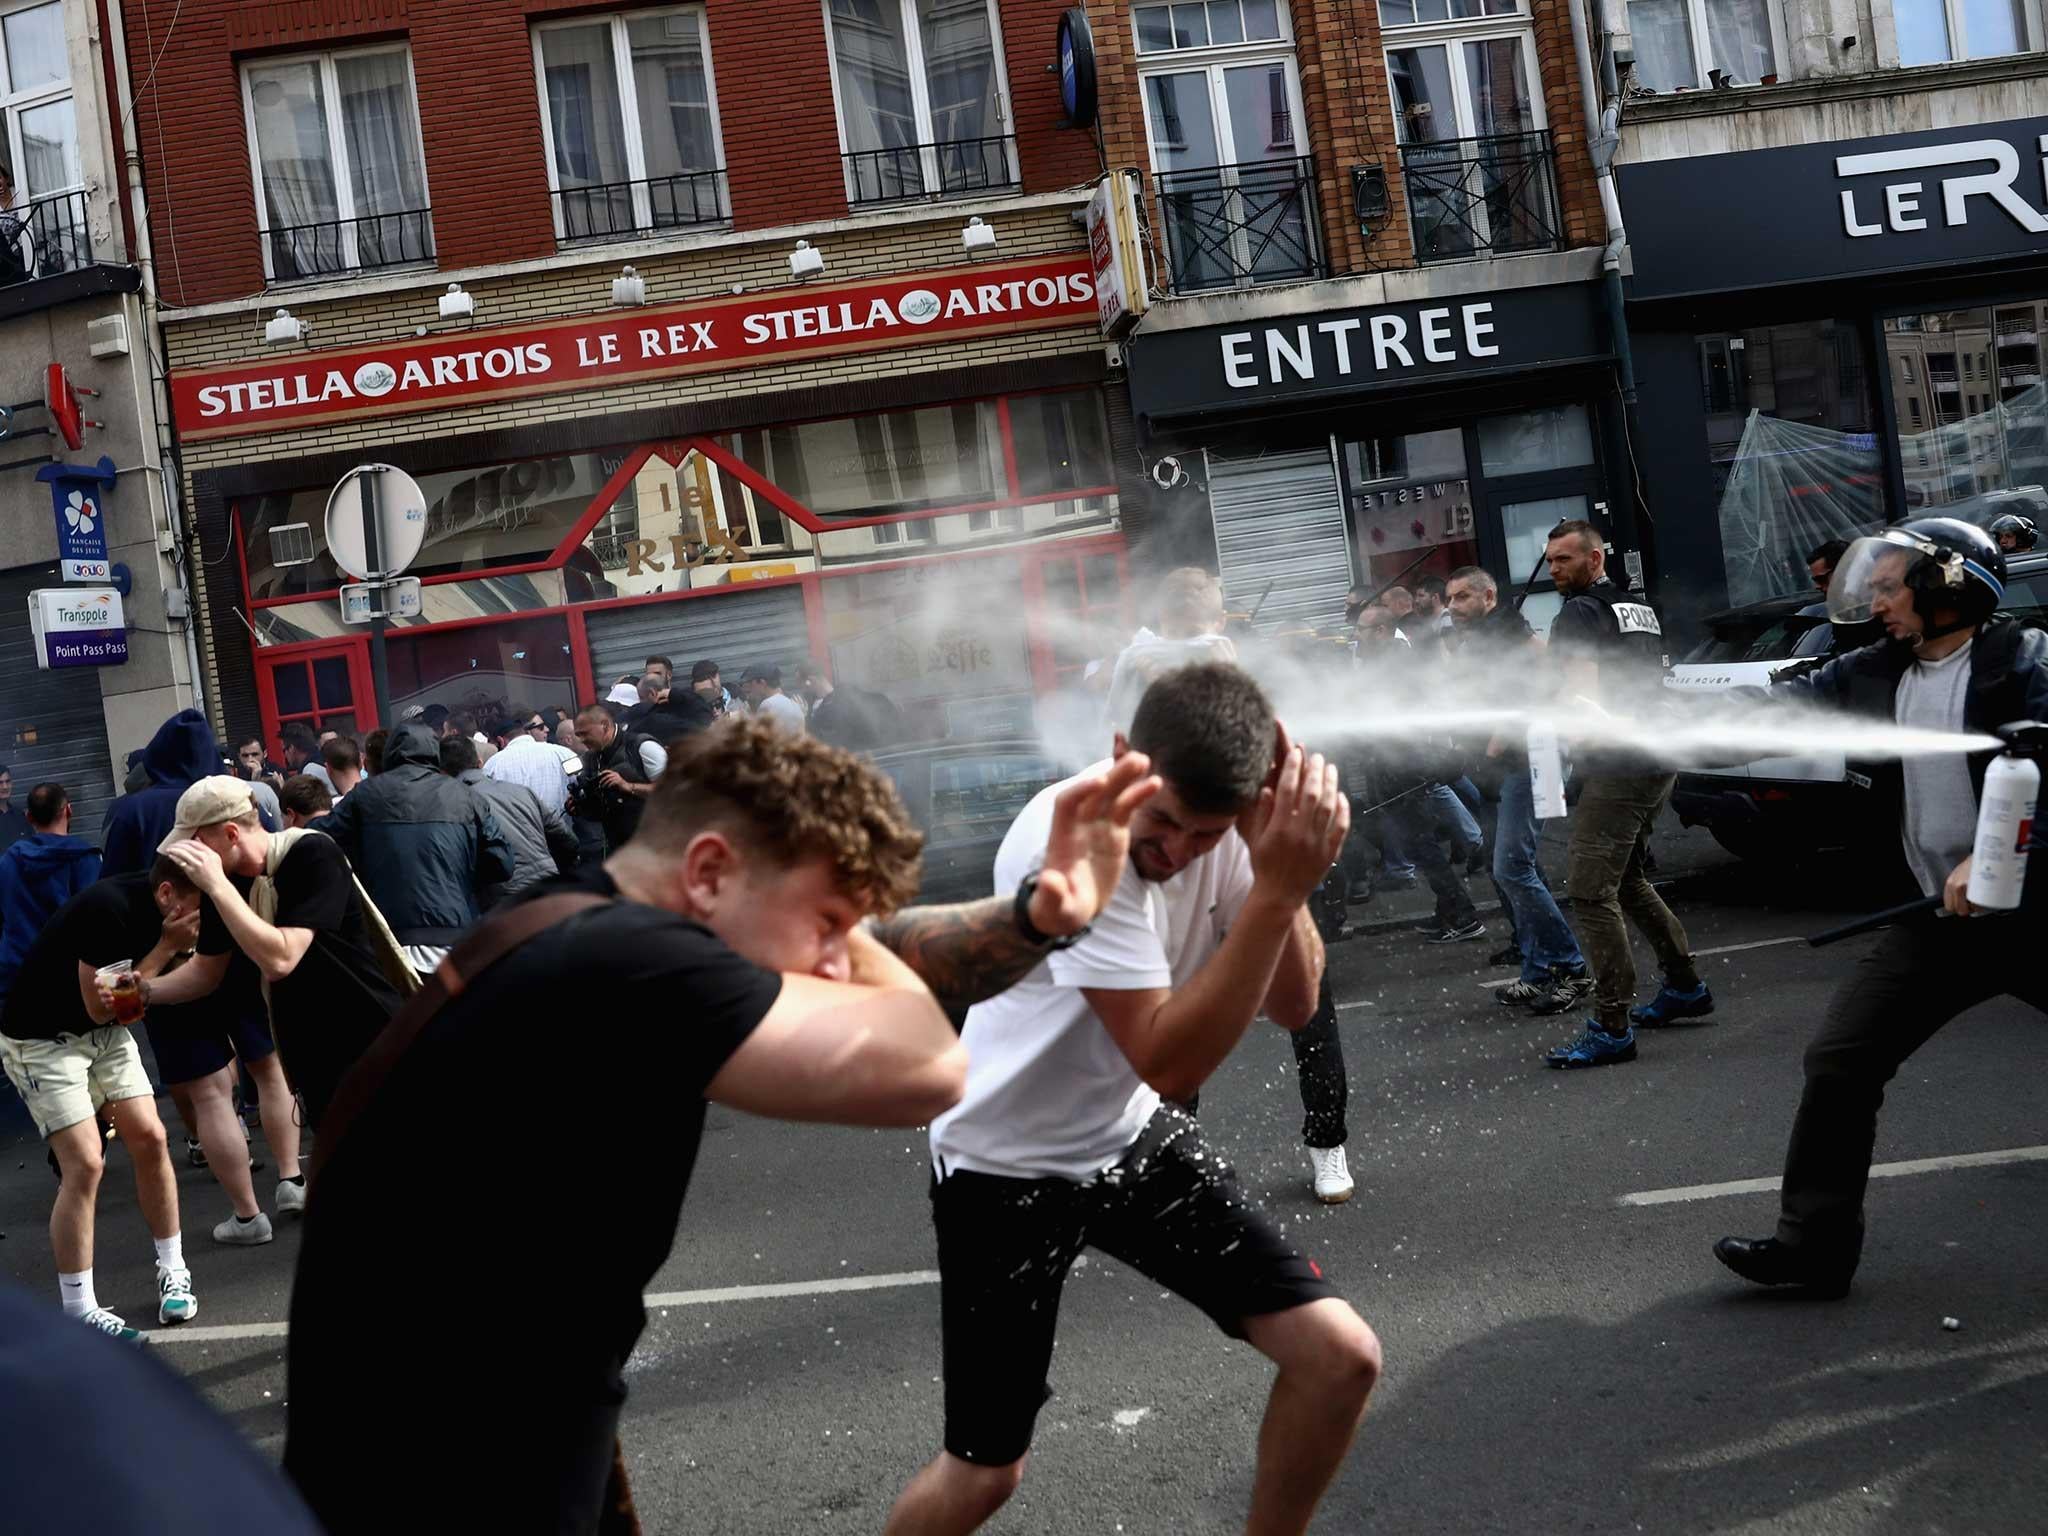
(620, 346)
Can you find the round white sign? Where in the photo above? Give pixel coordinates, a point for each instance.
(401, 521)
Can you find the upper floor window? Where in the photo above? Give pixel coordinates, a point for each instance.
(630, 121)
(42, 230)
(341, 183)
(1936, 31)
(1224, 122)
(923, 110)
(1683, 42)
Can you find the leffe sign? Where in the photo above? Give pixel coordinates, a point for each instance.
(617, 347)
(1813, 212)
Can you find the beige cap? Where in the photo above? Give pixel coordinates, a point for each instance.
(209, 803)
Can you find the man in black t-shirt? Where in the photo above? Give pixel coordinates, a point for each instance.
(1611, 647)
(303, 922)
(67, 1055)
(728, 963)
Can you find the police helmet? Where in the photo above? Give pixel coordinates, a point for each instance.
(1943, 561)
(2019, 530)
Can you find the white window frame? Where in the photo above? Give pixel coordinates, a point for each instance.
(337, 151)
(1698, 37)
(1452, 36)
(629, 106)
(13, 104)
(921, 107)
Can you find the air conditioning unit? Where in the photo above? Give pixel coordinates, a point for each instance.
(292, 544)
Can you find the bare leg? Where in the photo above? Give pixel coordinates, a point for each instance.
(156, 1186)
(1328, 1362)
(220, 1133)
(951, 1497)
(280, 1128)
(71, 1218)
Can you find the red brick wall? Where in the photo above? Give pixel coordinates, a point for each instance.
(1341, 56)
(480, 118)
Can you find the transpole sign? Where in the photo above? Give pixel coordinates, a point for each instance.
(620, 346)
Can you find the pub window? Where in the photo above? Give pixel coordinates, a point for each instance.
(630, 123)
(341, 181)
(1681, 43)
(1937, 31)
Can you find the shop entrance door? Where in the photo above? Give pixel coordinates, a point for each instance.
(328, 688)
(1524, 523)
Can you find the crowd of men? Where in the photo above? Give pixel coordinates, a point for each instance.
(402, 931)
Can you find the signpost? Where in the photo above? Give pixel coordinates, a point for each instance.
(79, 493)
(376, 523)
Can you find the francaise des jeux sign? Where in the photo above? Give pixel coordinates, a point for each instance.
(620, 346)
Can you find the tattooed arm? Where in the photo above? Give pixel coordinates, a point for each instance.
(975, 950)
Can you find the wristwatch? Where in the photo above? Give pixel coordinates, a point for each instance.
(1026, 888)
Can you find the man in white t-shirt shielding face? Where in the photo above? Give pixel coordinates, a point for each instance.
(1065, 1138)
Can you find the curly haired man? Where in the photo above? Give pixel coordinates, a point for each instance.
(731, 962)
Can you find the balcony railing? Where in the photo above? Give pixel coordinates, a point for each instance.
(1228, 226)
(1494, 196)
(45, 237)
(951, 168)
(622, 210)
(297, 251)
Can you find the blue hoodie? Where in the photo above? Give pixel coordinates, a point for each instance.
(37, 876)
(182, 752)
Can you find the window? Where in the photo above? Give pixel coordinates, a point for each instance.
(630, 123)
(1936, 31)
(42, 229)
(1223, 117)
(922, 105)
(341, 183)
(1915, 404)
(1680, 43)
(1906, 370)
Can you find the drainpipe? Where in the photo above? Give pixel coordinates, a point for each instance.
(1602, 99)
(114, 35)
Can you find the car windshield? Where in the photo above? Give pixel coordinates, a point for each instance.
(1764, 639)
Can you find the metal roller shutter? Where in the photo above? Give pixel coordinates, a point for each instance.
(55, 726)
(735, 629)
(1280, 521)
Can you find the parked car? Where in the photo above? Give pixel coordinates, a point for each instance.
(963, 796)
(1783, 807)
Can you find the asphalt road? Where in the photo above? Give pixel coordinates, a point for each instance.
(1557, 1361)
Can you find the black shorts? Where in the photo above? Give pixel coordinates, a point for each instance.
(188, 1045)
(1170, 1209)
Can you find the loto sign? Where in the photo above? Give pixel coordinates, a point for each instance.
(617, 348)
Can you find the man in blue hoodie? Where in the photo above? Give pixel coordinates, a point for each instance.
(182, 752)
(39, 874)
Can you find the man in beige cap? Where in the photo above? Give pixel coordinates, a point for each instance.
(325, 956)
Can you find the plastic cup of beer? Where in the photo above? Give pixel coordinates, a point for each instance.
(124, 988)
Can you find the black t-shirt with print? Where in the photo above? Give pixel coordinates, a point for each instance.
(111, 919)
(336, 1000)
(611, 1024)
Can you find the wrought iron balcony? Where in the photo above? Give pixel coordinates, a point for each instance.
(622, 210)
(1494, 196)
(1229, 226)
(951, 168)
(297, 251)
(45, 237)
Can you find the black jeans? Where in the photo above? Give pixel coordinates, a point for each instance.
(1914, 980)
(1319, 1063)
(1411, 815)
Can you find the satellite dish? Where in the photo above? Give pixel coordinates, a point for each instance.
(401, 521)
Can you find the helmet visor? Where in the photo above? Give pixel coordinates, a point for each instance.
(1871, 568)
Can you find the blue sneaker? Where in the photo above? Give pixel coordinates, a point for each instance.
(1671, 1005)
(1594, 1048)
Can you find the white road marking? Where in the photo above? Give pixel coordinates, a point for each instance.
(232, 1332)
(1736, 949)
(1879, 1171)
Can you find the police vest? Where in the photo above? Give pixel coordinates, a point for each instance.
(1633, 634)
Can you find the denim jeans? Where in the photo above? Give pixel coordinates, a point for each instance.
(1545, 937)
(1415, 816)
(1448, 811)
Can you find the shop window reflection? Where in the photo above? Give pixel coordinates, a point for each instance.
(484, 667)
(1981, 452)
(1411, 507)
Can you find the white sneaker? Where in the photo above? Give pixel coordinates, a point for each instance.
(113, 1327)
(175, 1302)
(244, 1234)
(1333, 1175)
(291, 1199)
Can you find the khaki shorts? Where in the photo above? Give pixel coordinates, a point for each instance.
(66, 1080)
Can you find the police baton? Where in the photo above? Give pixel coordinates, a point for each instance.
(1877, 920)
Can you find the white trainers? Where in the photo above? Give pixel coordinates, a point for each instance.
(113, 1327)
(291, 1199)
(1333, 1175)
(175, 1302)
(237, 1233)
